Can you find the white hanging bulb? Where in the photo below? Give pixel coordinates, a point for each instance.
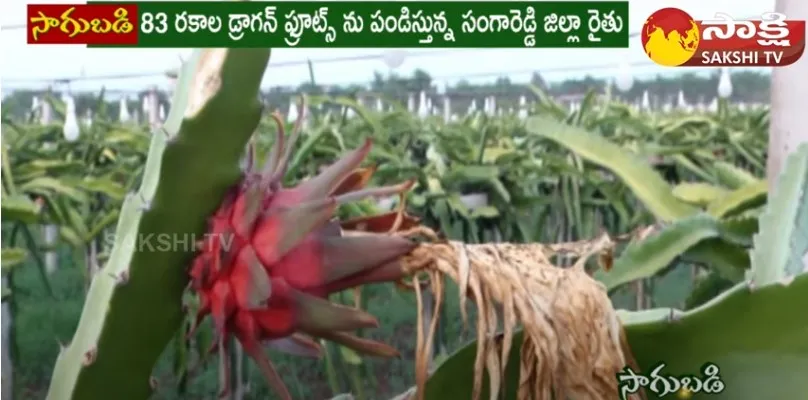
(681, 102)
(522, 107)
(71, 126)
(123, 113)
(423, 109)
(454, 118)
(350, 113)
(624, 80)
(411, 103)
(394, 58)
(379, 105)
(645, 104)
(162, 112)
(88, 118)
(724, 84)
(145, 104)
(291, 116)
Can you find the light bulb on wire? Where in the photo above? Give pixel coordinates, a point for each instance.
(70, 129)
(394, 58)
(624, 81)
(123, 112)
(724, 84)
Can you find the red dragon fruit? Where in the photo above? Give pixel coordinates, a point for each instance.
(272, 256)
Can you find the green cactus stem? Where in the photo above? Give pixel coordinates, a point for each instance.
(133, 306)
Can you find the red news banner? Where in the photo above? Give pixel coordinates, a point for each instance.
(771, 41)
(106, 24)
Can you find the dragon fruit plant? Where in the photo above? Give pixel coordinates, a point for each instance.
(268, 261)
(272, 256)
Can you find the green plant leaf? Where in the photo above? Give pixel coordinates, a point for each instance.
(739, 200)
(649, 257)
(781, 245)
(19, 208)
(485, 212)
(698, 193)
(729, 259)
(732, 176)
(739, 229)
(758, 344)
(643, 180)
(707, 288)
(12, 257)
(107, 187)
(52, 185)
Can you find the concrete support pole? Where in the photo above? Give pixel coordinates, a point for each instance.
(789, 88)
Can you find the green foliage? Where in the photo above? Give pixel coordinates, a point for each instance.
(707, 287)
(653, 255)
(781, 245)
(757, 342)
(43, 323)
(748, 196)
(697, 193)
(536, 190)
(77, 186)
(640, 177)
(749, 331)
(134, 308)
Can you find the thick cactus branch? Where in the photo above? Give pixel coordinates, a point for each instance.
(133, 307)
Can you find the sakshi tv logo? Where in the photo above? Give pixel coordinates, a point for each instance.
(672, 38)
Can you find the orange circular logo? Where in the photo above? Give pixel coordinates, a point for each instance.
(670, 37)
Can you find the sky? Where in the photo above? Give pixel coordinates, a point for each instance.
(37, 66)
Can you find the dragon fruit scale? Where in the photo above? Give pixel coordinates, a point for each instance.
(273, 254)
